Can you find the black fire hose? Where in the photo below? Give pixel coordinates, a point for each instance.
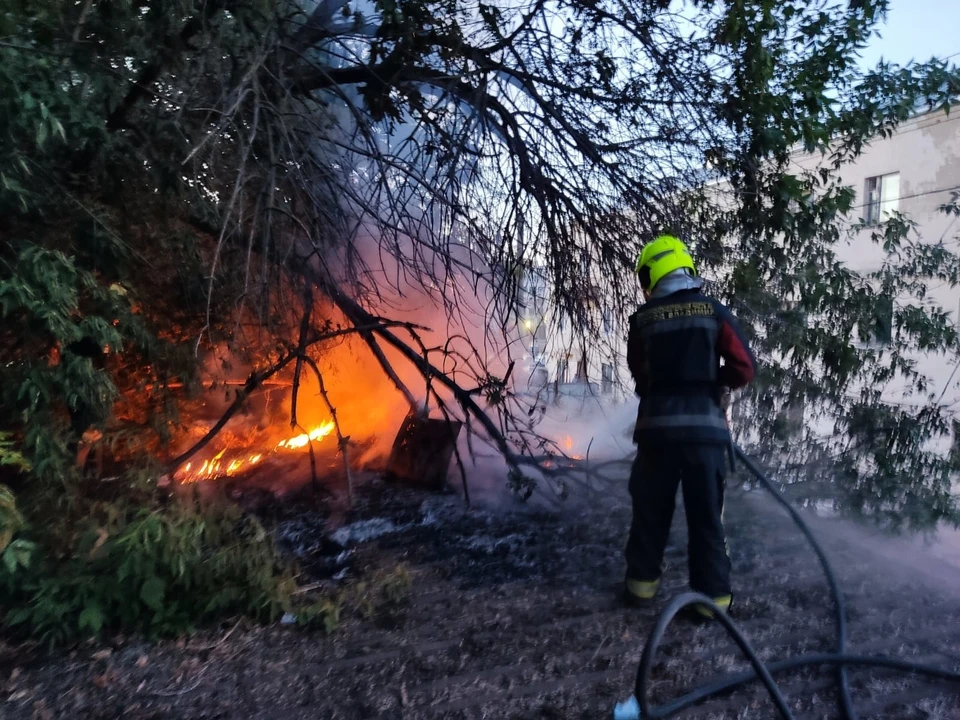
(764, 672)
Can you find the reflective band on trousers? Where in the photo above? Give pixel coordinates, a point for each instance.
(651, 421)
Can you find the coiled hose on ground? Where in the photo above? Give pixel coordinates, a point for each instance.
(765, 672)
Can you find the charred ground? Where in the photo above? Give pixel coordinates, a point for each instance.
(510, 614)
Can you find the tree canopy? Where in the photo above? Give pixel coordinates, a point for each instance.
(273, 176)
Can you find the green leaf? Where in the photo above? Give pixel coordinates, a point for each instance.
(10, 560)
(10, 456)
(91, 618)
(11, 184)
(23, 549)
(19, 616)
(152, 592)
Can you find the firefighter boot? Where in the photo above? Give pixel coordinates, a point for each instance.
(703, 613)
(640, 593)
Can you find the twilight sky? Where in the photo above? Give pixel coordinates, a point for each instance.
(916, 30)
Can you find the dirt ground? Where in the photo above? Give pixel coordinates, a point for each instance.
(513, 613)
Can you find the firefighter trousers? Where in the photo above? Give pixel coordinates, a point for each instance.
(700, 468)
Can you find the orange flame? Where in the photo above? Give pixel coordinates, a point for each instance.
(568, 446)
(300, 441)
(217, 466)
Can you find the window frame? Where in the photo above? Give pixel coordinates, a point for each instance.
(607, 318)
(878, 210)
(606, 383)
(887, 319)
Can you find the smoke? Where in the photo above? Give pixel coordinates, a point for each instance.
(468, 336)
(590, 430)
(932, 559)
(589, 425)
(401, 243)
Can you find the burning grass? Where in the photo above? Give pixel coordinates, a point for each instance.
(230, 461)
(346, 403)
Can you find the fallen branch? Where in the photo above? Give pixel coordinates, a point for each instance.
(314, 478)
(256, 380)
(359, 316)
(218, 643)
(252, 384)
(342, 440)
(301, 350)
(464, 397)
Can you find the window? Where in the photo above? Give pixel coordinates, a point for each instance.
(606, 378)
(563, 367)
(582, 368)
(882, 326)
(607, 320)
(539, 295)
(792, 315)
(955, 447)
(876, 329)
(539, 378)
(533, 291)
(789, 421)
(881, 198)
(541, 333)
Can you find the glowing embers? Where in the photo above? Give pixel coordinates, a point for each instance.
(227, 463)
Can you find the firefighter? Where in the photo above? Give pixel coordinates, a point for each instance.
(685, 352)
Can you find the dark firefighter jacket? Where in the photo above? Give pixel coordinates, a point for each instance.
(674, 350)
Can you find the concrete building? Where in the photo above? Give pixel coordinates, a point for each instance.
(914, 171)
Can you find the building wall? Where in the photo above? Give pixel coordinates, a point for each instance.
(925, 152)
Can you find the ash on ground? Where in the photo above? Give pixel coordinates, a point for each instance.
(484, 544)
(511, 613)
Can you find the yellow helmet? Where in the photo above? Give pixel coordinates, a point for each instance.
(662, 255)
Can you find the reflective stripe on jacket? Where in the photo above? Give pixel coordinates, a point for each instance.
(674, 351)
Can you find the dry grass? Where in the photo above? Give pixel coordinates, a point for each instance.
(520, 629)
